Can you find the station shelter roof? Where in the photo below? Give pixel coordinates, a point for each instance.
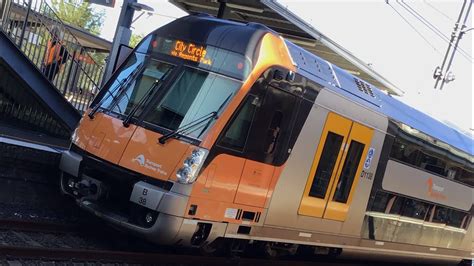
(290, 26)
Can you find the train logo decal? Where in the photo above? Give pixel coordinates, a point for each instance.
(434, 190)
(140, 159)
(148, 164)
(368, 160)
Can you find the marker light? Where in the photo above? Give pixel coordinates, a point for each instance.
(191, 166)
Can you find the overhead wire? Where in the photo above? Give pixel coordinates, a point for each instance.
(432, 27)
(413, 27)
(439, 11)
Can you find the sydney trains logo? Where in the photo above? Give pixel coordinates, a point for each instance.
(140, 159)
(148, 164)
(435, 190)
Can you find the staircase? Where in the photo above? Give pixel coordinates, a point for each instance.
(30, 103)
(29, 23)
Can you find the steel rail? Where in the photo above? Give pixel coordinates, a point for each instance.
(37, 226)
(106, 256)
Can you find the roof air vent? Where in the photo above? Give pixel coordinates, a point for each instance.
(364, 87)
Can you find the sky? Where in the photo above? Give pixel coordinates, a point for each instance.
(374, 32)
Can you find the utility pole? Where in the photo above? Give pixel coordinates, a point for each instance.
(442, 73)
(122, 36)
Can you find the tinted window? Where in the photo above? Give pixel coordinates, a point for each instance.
(410, 208)
(326, 164)
(349, 170)
(380, 201)
(421, 151)
(235, 136)
(455, 218)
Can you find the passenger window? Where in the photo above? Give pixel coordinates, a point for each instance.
(348, 172)
(380, 202)
(410, 208)
(237, 133)
(397, 205)
(331, 149)
(430, 156)
(440, 215)
(455, 218)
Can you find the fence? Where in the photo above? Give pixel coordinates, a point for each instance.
(30, 24)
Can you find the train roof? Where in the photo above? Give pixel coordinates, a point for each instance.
(342, 82)
(316, 68)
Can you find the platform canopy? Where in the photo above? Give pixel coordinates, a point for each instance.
(293, 28)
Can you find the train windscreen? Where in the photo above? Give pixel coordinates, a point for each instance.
(201, 86)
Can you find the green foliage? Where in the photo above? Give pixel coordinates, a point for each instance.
(80, 14)
(135, 39)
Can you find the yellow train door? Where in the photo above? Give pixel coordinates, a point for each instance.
(336, 168)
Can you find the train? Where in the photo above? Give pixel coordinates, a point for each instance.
(216, 134)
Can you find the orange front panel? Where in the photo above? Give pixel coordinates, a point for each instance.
(109, 138)
(145, 155)
(84, 130)
(253, 186)
(220, 179)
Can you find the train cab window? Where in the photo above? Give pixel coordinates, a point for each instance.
(147, 81)
(237, 133)
(266, 125)
(193, 96)
(326, 165)
(122, 77)
(348, 172)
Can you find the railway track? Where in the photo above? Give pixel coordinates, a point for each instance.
(37, 242)
(107, 257)
(35, 226)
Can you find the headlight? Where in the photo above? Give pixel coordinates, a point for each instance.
(191, 166)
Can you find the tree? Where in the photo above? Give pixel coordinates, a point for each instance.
(135, 39)
(80, 14)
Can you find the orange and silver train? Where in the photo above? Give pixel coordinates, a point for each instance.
(214, 132)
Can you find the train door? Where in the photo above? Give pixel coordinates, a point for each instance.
(336, 168)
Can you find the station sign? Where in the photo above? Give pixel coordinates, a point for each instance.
(107, 3)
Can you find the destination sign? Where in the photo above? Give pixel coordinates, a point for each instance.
(190, 51)
(206, 56)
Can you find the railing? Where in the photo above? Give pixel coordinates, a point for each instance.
(30, 24)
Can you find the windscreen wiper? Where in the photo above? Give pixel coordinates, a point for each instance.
(164, 138)
(120, 86)
(149, 93)
(208, 118)
(215, 117)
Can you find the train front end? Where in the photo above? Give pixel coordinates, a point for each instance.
(139, 149)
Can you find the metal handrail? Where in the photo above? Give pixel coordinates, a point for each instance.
(29, 23)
